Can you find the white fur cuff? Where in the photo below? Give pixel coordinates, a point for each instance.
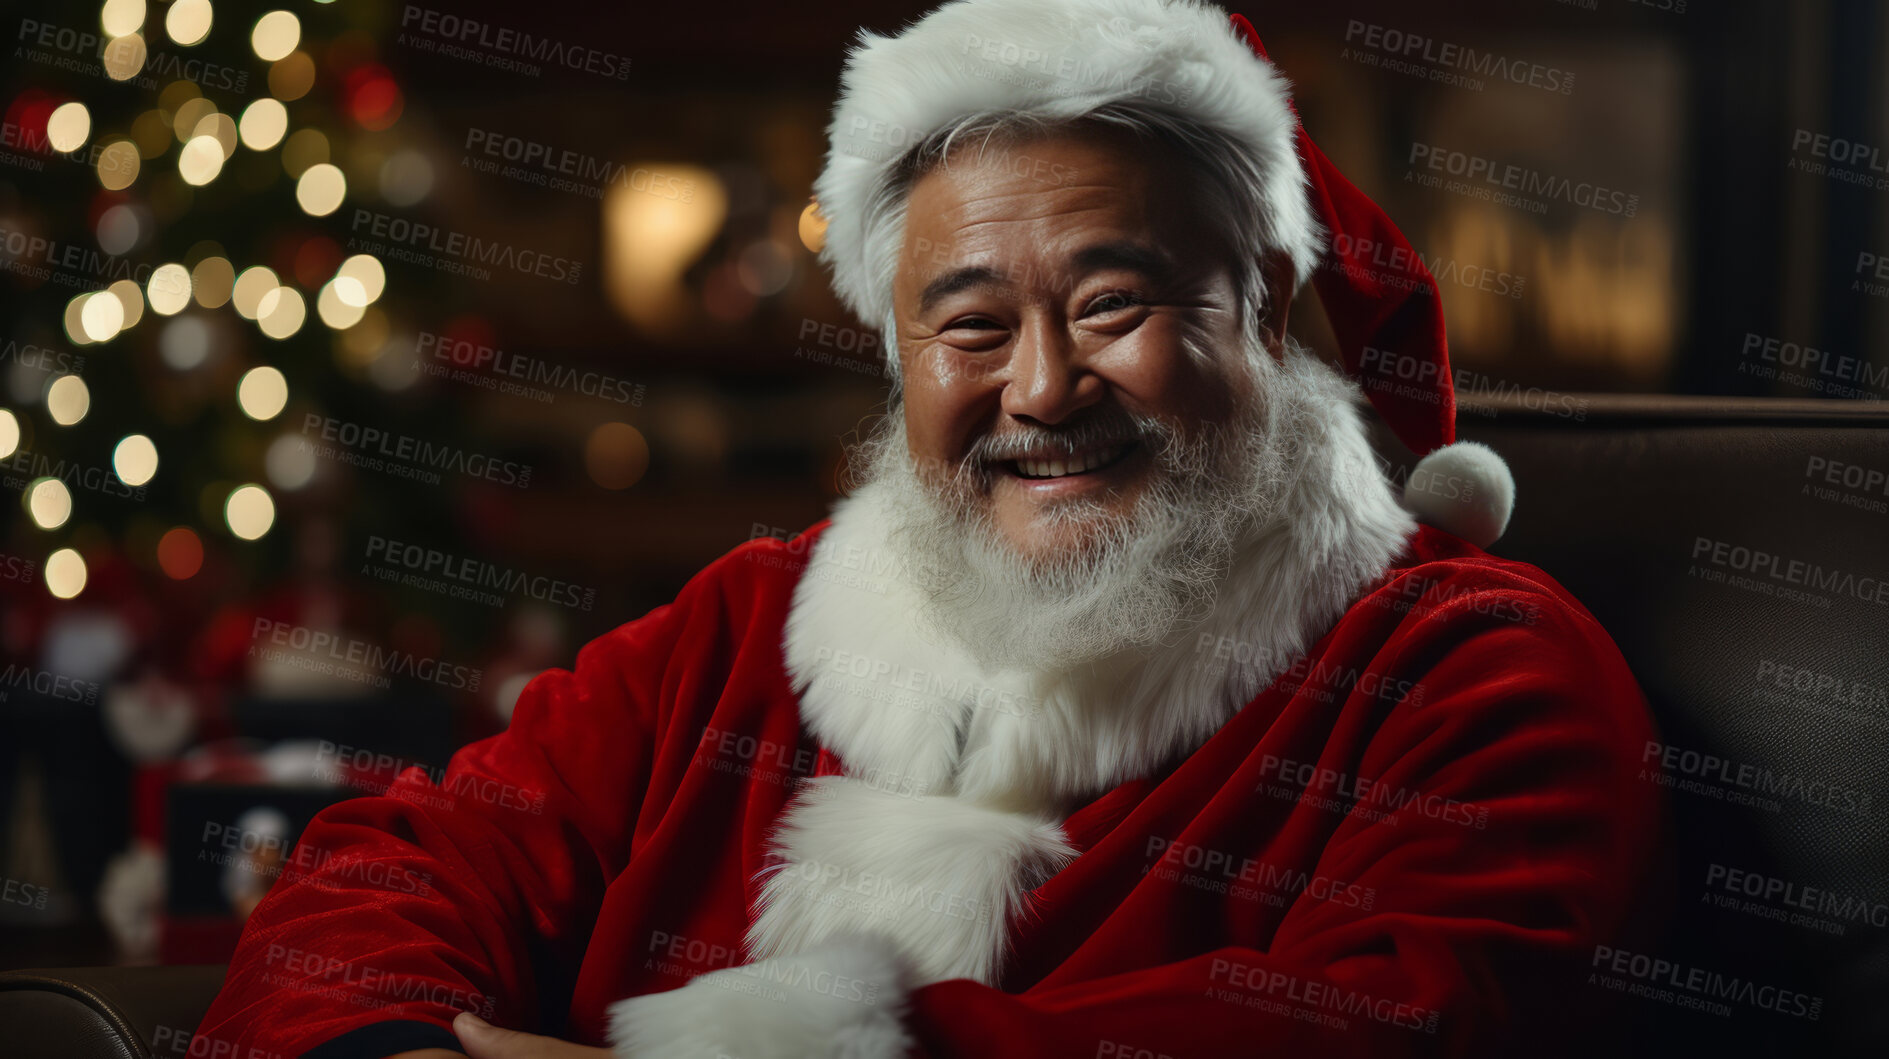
(843, 998)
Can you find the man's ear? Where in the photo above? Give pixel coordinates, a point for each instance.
(1280, 279)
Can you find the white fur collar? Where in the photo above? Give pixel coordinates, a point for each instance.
(957, 779)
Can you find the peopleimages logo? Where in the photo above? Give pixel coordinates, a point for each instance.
(41, 358)
(68, 264)
(1660, 979)
(472, 572)
(495, 369)
(51, 685)
(1445, 58)
(1757, 562)
(1485, 176)
(26, 466)
(322, 646)
(501, 47)
(1392, 266)
(1698, 772)
(409, 238)
(562, 169)
(81, 50)
(411, 457)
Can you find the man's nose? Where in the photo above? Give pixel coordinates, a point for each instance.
(1049, 379)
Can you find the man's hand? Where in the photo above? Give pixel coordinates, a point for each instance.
(482, 1040)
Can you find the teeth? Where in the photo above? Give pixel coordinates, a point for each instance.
(1064, 466)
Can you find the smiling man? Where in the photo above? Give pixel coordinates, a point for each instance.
(1122, 709)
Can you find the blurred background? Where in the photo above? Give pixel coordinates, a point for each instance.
(359, 361)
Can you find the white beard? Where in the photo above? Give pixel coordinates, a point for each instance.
(1139, 580)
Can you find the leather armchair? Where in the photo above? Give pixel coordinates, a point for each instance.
(106, 1012)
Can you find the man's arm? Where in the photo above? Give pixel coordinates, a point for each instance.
(435, 899)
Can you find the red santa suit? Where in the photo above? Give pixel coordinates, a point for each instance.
(1383, 800)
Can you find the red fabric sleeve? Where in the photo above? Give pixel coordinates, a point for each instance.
(1475, 932)
(477, 892)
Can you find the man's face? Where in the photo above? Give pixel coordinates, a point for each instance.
(1038, 319)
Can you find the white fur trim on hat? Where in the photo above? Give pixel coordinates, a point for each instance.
(843, 998)
(1054, 59)
(1465, 489)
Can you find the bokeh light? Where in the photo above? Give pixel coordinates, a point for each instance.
(65, 573)
(222, 128)
(185, 342)
(119, 230)
(135, 459)
(249, 512)
(49, 503)
(188, 114)
(321, 189)
(130, 300)
(118, 164)
(812, 227)
(75, 320)
(264, 124)
(255, 282)
(367, 272)
(9, 433)
(180, 553)
(373, 97)
(121, 17)
(406, 177)
(69, 127)
(275, 36)
(281, 312)
(290, 462)
(168, 290)
(123, 57)
(334, 306)
(201, 160)
(616, 455)
(211, 281)
(292, 77)
(68, 399)
(188, 21)
(263, 393)
(103, 316)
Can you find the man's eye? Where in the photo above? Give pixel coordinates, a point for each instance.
(1113, 301)
(973, 323)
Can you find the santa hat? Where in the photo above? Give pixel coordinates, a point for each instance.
(1062, 59)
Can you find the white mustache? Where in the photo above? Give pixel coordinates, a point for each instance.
(1036, 442)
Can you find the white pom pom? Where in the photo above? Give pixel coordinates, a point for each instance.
(1465, 489)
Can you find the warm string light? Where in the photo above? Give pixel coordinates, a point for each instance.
(135, 460)
(188, 21)
(263, 393)
(275, 36)
(121, 17)
(249, 512)
(65, 573)
(48, 503)
(208, 140)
